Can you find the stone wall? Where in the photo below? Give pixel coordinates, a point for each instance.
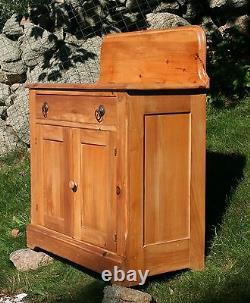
(61, 43)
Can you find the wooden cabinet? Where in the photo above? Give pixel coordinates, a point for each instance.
(118, 168)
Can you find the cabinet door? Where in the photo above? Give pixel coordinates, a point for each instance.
(95, 222)
(50, 186)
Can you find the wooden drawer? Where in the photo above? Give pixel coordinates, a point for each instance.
(75, 108)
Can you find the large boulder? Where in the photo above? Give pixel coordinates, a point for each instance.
(165, 20)
(4, 93)
(18, 115)
(37, 44)
(218, 3)
(12, 27)
(8, 139)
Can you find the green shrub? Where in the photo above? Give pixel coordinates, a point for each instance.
(229, 69)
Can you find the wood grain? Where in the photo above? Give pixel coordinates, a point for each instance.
(79, 109)
(197, 215)
(167, 177)
(97, 205)
(168, 56)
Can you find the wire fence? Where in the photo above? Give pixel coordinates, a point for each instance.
(60, 41)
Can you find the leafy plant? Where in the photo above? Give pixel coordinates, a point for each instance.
(229, 69)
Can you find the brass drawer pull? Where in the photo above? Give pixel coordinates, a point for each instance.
(45, 109)
(99, 113)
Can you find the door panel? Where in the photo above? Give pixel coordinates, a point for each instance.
(53, 159)
(97, 215)
(167, 177)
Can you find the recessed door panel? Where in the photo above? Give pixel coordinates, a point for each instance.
(167, 177)
(54, 178)
(97, 188)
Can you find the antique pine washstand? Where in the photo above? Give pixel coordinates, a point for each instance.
(118, 167)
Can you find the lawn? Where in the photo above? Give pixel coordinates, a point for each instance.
(226, 277)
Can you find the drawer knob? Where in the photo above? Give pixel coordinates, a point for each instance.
(99, 113)
(45, 109)
(73, 186)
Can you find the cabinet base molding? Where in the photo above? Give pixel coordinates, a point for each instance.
(158, 259)
(70, 249)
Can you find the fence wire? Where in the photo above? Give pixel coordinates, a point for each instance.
(60, 40)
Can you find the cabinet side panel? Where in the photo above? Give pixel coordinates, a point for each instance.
(197, 214)
(167, 177)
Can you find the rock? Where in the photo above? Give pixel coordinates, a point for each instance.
(135, 5)
(165, 20)
(183, 2)
(218, 3)
(9, 50)
(237, 3)
(14, 70)
(18, 115)
(2, 111)
(193, 10)
(167, 7)
(89, 72)
(8, 139)
(12, 67)
(15, 233)
(34, 74)
(14, 78)
(27, 259)
(12, 27)
(13, 299)
(226, 3)
(4, 93)
(82, 64)
(241, 24)
(36, 44)
(16, 86)
(3, 77)
(10, 100)
(210, 28)
(119, 294)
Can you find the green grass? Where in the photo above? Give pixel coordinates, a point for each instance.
(226, 277)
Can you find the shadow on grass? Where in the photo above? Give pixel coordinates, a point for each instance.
(91, 293)
(223, 174)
